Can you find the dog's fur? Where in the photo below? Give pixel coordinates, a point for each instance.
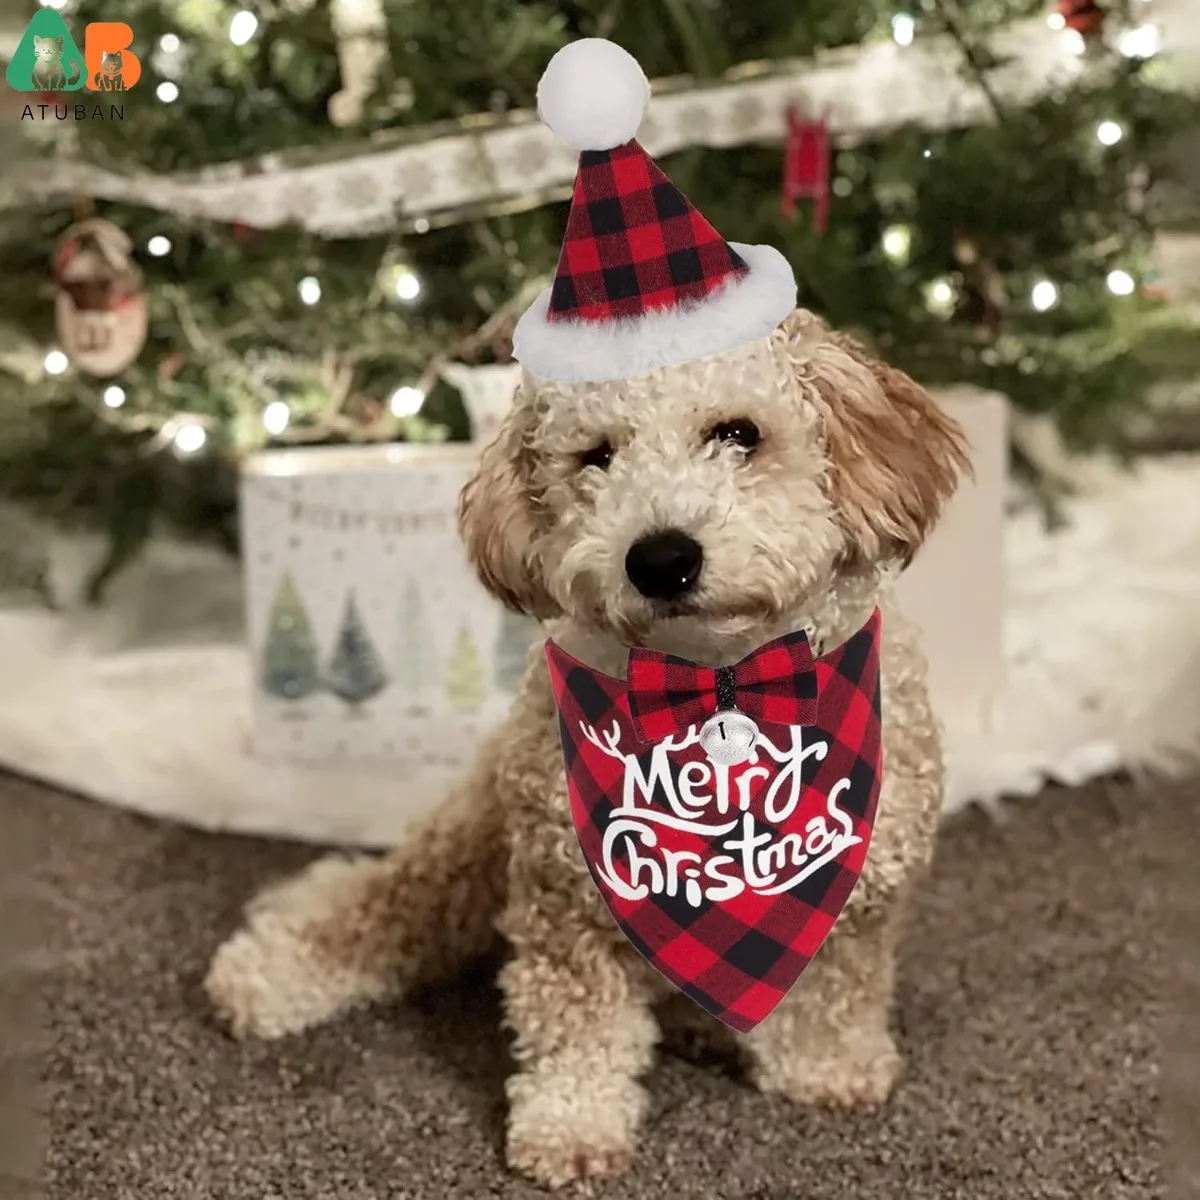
(853, 468)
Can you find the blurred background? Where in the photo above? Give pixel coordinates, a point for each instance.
(256, 300)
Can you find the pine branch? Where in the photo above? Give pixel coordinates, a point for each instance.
(950, 20)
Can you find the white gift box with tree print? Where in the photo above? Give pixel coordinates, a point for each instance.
(369, 635)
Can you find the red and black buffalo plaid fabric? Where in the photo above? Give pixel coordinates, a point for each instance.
(775, 685)
(727, 879)
(634, 242)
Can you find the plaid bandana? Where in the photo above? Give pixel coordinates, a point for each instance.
(727, 879)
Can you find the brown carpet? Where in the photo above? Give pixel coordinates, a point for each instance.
(1027, 1015)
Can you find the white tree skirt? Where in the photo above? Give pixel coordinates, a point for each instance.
(145, 704)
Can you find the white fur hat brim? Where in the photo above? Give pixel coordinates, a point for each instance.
(749, 307)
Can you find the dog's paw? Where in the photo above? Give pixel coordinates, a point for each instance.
(569, 1130)
(860, 1078)
(268, 981)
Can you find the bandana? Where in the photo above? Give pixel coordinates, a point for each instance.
(725, 813)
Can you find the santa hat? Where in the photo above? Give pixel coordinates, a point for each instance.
(643, 280)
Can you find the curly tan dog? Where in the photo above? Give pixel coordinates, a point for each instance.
(807, 472)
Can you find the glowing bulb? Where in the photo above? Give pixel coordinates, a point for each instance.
(243, 27)
(408, 286)
(940, 296)
(1076, 44)
(926, 153)
(897, 241)
(1044, 295)
(158, 246)
(114, 396)
(276, 417)
(56, 362)
(190, 437)
(167, 92)
(1121, 283)
(168, 43)
(406, 401)
(1109, 133)
(310, 290)
(421, 225)
(903, 29)
(1141, 42)
(1057, 22)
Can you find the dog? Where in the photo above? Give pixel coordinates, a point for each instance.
(803, 473)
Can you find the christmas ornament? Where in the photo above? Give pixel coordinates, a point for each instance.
(1083, 16)
(100, 309)
(806, 167)
(643, 280)
(725, 814)
(360, 27)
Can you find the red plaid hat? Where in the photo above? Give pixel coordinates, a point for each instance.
(643, 280)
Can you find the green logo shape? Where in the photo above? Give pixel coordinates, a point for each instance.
(47, 60)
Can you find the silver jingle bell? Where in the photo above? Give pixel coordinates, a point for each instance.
(728, 738)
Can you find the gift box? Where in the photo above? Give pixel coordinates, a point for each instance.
(954, 588)
(369, 635)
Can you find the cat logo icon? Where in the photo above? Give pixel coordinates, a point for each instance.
(48, 58)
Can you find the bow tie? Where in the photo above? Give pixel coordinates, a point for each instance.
(777, 684)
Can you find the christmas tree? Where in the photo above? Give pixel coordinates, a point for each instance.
(414, 657)
(980, 209)
(465, 685)
(516, 635)
(289, 666)
(355, 671)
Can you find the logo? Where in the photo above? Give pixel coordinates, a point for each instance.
(48, 57)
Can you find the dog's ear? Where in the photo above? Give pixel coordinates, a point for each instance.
(895, 457)
(498, 520)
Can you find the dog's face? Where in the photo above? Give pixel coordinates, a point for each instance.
(711, 498)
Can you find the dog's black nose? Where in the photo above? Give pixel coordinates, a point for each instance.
(664, 565)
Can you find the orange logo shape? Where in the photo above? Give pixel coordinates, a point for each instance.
(111, 65)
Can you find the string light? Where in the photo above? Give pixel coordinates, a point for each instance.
(940, 296)
(897, 241)
(1076, 44)
(1057, 22)
(904, 28)
(167, 92)
(1109, 133)
(408, 286)
(310, 290)
(190, 437)
(114, 396)
(1141, 42)
(56, 362)
(406, 401)
(159, 245)
(1121, 283)
(243, 27)
(276, 417)
(168, 43)
(421, 225)
(1044, 295)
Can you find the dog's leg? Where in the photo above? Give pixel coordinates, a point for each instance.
(578, 1001)
(346, 932)
(829, 1042)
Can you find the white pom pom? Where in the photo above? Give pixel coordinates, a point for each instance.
(593, 95)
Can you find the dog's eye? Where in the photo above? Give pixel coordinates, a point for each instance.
(599, 455)
(741, 432)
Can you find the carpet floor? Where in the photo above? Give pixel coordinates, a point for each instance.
(1028, 1016)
